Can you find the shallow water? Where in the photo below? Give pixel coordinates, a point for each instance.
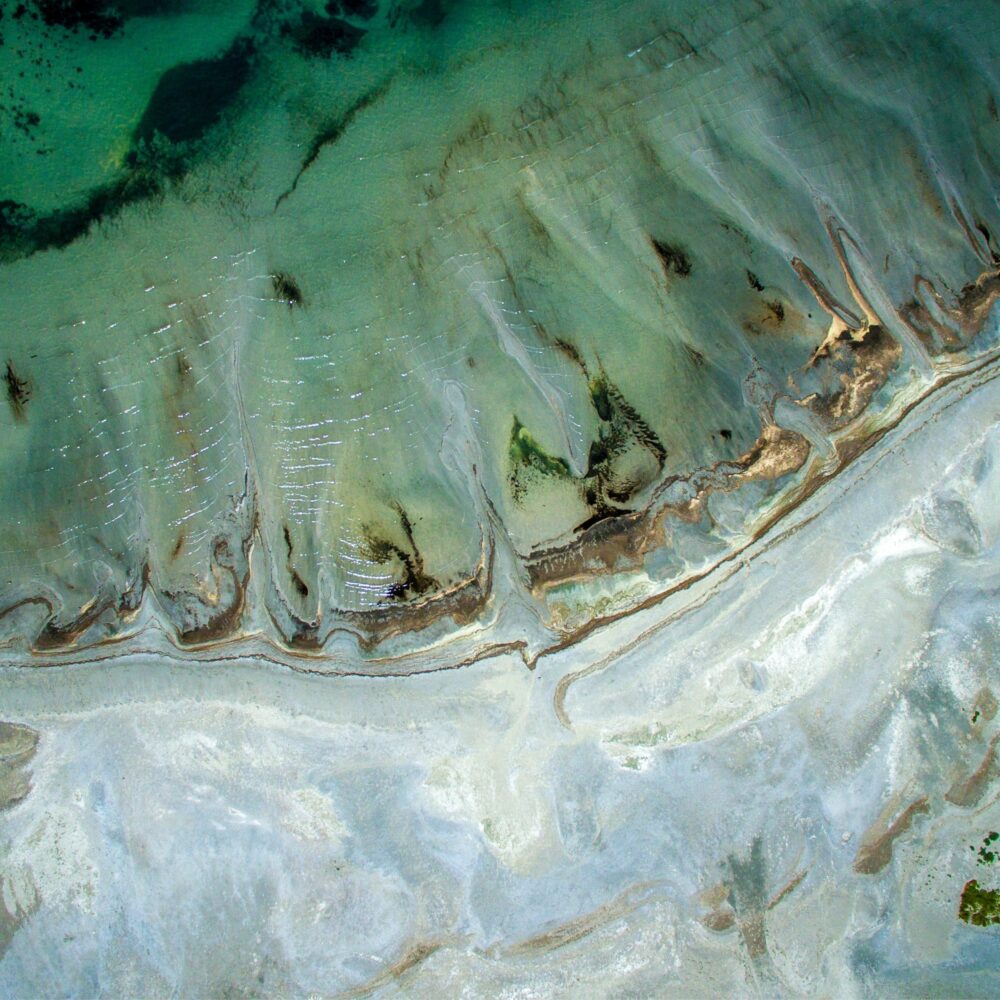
(507, 488)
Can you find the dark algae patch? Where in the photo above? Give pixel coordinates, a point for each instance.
(674, 259)
(95, 17)
(625, 456)
(363, 10)
(190, 99)
(429, 13)
(154, 8)
(382, 550)
(26, 121)
(286, 289)
(329, 135)
(300, 585)
(525, 450)
(323, 35)
(622, 431)
(18, 390)
(612, 407)
(301, 588)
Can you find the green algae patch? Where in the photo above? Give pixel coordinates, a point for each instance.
(600, 397)
(525, 450)
(978, 906)
(526, 455)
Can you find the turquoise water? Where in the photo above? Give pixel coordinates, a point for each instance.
(393, 337)
(368, 295)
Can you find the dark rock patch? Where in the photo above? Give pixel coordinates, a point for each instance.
(96, 17)
(190, 99)
(154, 8)
(363, 10)
(319, 37)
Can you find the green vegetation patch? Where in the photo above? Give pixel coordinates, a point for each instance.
(979, 906)
(988, 852)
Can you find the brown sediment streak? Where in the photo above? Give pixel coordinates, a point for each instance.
(621, 542)
(54, 636)
(965, 318)
(873, 355)
(37, 599)
(223, 623)
(848, 450)
(875, 851)
(462, 602)
(837, 235)
(612, 543)
(573, 930)
(178, 545)
(968, 791)
(873, 352)
(411, 959)
(721, 916)
(18, 390)
(978, 243)
(754, 934)
(790, 886)
(823, 296)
